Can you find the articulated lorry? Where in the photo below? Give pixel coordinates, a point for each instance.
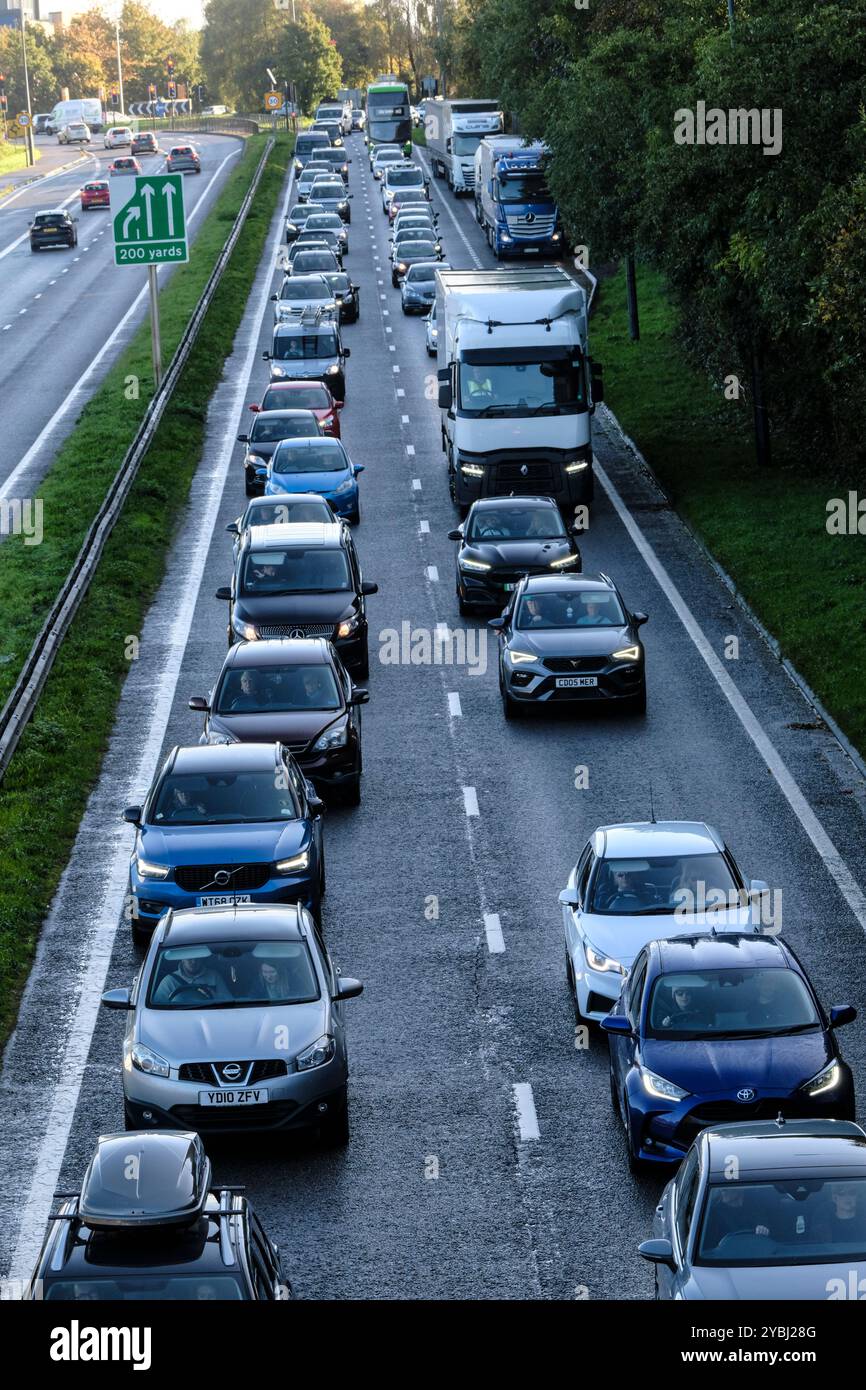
(517, 387)
(512, 201)
(454, 130)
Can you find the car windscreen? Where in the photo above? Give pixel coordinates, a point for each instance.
(339, 283)
(143, 1287)
(295, 570)
(299, 213)
(420, 233)
(421, 275)
(417, 250)
(405, 178)
(736, 1003)
(313, 260)
(387, 157)
(279, 511)
(312, 458)
(661, 885)
(787, 1221)
(523, 388)
(324, 221)
(298, 346)
(569, 609)
(405, 196)
(328, 191)
(223, 798)
(277, 689)
(312, 397)
(307, 291)
(305, 144)
(515, 523)
(242, 974)
(270, 431)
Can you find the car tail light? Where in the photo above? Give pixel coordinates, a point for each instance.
(328, 421)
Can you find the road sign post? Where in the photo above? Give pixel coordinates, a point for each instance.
(150, 225)
(155, 338)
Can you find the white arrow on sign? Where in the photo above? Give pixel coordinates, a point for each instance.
(132, 216)
(147, 194)
(168, 194)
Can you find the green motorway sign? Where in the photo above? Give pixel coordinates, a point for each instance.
(150, 224)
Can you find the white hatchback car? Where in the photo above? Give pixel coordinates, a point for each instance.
(645, 882)
(117, 137)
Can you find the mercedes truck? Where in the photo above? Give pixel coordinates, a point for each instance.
(517, 387)
(453, 131)
(512, 201)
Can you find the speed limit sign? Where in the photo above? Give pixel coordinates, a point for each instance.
(23, 119)
(273, 101)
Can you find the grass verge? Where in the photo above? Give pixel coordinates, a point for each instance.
(13, 155)
(768, 529)
(58, 760)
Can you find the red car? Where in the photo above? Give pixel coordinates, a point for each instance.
(305, 395)
(95, 195)
(126, 165)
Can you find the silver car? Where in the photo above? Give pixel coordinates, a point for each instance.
(235, 1024)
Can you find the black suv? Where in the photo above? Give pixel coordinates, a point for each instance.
(149, 1224)
(55, 228)
(301, 580)
(297, 693)
(504, 538)
(309, 350)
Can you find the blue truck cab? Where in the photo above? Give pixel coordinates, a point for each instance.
(512, 201)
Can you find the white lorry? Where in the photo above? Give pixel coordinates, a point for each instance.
(453, 131)
(517, 387)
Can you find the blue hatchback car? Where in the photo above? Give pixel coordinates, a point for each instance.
(317, 465)
(721, 1029)
(226, 824)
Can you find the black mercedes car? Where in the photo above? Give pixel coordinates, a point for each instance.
(300, 581)
(268, 429)
(504, 538)
(569, 639)
(296, 692)
(149, 1224)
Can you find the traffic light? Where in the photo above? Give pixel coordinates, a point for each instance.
(172, 90)
(115, 99)
(151, 90)
(169, 66)
(4, 102)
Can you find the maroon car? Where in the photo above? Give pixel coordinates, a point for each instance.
(305, 395)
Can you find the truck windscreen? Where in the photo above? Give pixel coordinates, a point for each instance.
(524, 188)
(466, 144)
(523, 388)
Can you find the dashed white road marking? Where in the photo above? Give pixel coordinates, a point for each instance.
(527, 1120)
(404, 419)
(470, 801)
(391, 347)
(424, 527)
(433, 574)
(410, 450)
(400, 391)
(395, 368)
(454, 707)
(416, 482)
(495, 939)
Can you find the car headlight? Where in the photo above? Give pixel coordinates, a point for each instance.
(627, 654)
(245, 630)
(603, 964)
(578, 466)
(146, 1061)
(402, 268)
(319, 1052)
(295, 865)
(347, 627)
(278, 371)
(147, 869)
(213, 738)
(333, 738)
(467, 564)
(472, 470)
(826, 1079)
(256, 458)
(333, 369)
(346, 485)
(566, 560)
(298, 164)
(557, 236)
(660, 1087)
(341, 207)
(520, 658)
(503, 236)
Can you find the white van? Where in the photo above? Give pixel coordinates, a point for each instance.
(87, 110)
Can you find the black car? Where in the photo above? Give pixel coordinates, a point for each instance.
(569, 639)
(144, 142)
(312, 256)
(300, 581)
(54, 228)
(504, 538)
(309, 352)
(295, 692)
(346, 295)
(297, 217)
(163, 1232)
(268, 428)
(333, 130)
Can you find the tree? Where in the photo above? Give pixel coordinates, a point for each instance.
(308, 57)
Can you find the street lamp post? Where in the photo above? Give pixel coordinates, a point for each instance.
(119, 66)
(28, 134)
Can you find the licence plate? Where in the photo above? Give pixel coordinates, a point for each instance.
(247, 1095)
(532, 250)
(575, 682)
(223, 900)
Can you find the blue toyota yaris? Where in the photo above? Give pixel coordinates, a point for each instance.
(225, 824)
(317, 465)
(720, 1029)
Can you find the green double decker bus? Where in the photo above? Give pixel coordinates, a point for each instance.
(389, 118)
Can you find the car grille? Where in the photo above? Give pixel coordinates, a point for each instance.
(205, 1074)
(539, 477)
(571, 665)
(207, 1117)
(192, 878)
(722, 1112)
(293, 629)
(536, 230)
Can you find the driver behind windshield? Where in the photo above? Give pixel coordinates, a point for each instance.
(193, 980)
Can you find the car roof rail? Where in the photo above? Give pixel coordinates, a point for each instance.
(227, 1210)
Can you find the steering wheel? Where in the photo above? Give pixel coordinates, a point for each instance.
(206, 991)
(733, 1235)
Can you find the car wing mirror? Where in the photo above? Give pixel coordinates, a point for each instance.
(569, 897)
(840, 1014)
(347, 352)
(223, 592)
(658, 1252)
(234, 528)
(360, 695)
(456, 534)
(367, 588)
(616, 1023)
(639, 619)
(266, 357)
(116, 999)
(348, 988)
(243, 439)
(496, 623)
(358, 467)
(198, 702)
